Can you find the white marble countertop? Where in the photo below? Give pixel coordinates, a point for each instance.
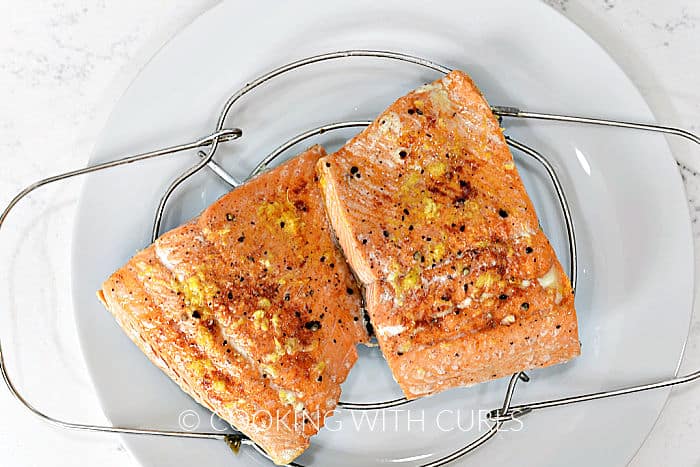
(63, 65)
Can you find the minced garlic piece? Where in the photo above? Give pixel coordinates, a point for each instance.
(486, 279)
(430, 208)
(280, 215)
(269, 370)
(291, 345)
(508, 320)
(436, 254)
(437, 169)
(204, 338)
(550, 279)
(406, 283)
(288, 398)
(196, 291)
(219, 386)
(275, 321)
(200, 367)
(260, 321)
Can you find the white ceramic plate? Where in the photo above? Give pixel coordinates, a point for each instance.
(636, 272)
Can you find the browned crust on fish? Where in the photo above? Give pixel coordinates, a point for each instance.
(250, 308)
(462, 285)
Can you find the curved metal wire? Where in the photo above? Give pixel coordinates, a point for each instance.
(454, 455)
(218, 136)
(263, 165)
(563, 203)
(514, 112)
(493, 429)
(499, 416)
(522, 409)
(265, 78)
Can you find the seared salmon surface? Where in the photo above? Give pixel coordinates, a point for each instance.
(250, 308)
(461, 284)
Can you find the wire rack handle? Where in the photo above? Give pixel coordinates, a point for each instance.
(517, 411)
(219, 136)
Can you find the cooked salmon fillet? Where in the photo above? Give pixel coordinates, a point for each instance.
(462, 286)
(250, 308)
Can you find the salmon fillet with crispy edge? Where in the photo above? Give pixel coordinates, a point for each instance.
(250, 308)
(462, 286)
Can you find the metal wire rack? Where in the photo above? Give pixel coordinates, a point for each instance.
(208, 146)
